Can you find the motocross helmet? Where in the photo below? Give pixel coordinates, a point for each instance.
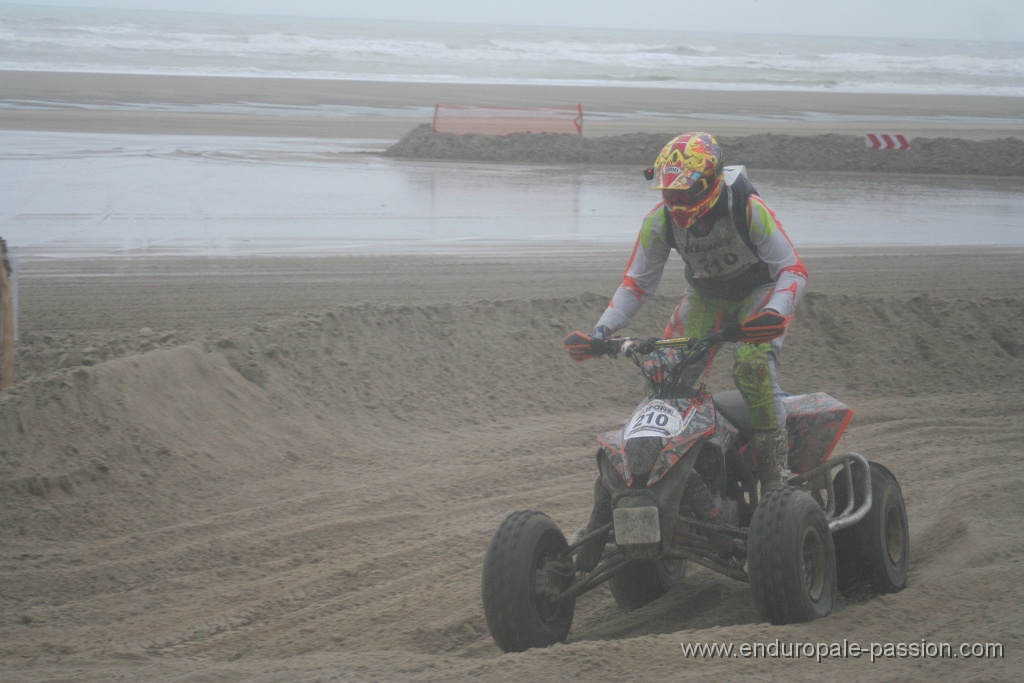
(688, 171)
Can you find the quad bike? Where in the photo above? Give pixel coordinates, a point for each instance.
(679, 479)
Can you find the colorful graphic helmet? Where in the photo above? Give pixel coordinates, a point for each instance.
(688, 171)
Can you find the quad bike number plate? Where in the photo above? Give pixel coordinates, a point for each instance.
(657, 418)
(636, 525)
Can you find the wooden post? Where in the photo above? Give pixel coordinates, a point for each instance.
(6, 319)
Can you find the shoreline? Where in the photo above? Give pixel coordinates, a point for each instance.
(631, 109)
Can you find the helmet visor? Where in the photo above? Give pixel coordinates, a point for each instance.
(690, 196)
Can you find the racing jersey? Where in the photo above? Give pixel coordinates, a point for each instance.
(734, 248)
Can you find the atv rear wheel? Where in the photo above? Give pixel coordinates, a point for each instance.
(644, 581)
(872, 555)
(526, 565)
(790, 558)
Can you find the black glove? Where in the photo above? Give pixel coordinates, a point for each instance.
(763, 327)
(732, 332)
(583, 346)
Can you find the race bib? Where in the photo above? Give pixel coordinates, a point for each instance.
(657, 418)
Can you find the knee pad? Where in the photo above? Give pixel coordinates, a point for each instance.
(750, 367)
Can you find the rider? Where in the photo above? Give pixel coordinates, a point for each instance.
(740, 267)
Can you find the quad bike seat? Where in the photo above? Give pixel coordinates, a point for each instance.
(731, 404)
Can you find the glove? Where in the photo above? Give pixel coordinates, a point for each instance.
(583, 346)
(763, 327)
(732, 332)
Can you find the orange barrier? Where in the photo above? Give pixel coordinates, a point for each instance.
(458, 119)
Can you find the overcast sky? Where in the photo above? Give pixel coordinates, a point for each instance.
(968, 19)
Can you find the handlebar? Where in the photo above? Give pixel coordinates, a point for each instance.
(666, 375)
(635, 346)
(670, 379)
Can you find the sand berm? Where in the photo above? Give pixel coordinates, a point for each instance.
(829, 152)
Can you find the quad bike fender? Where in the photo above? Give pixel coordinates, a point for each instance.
(815, 423)
(658, 454)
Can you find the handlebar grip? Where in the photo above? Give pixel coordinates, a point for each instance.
(640, 347)
(731, 332)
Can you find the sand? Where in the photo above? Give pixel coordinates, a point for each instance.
(226, 470)
(83, 101)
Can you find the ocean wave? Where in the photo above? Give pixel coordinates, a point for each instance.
(182, 43)
(606, 80)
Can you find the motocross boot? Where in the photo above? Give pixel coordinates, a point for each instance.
(772, 451)
(590, 554)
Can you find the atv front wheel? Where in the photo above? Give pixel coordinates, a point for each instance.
(790, 558)
(526, 565)
(644, 581)
(872, 555)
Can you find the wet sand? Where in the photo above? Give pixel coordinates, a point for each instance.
(725, 112)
